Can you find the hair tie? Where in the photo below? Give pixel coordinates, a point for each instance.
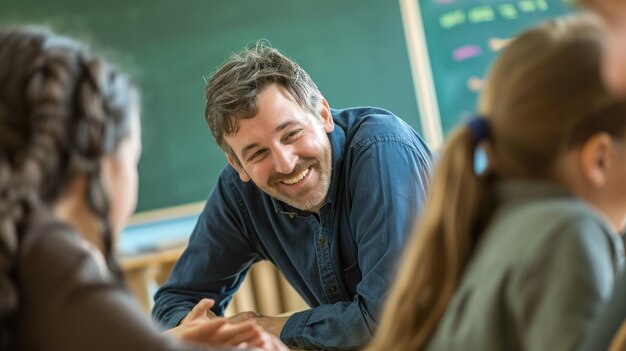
(480, 128)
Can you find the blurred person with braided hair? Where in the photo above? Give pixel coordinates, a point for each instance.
(69, 147)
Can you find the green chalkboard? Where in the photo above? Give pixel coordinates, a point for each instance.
(354, 49)
(457, 40)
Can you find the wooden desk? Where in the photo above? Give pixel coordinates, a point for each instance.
(146, 272)
(264, 290)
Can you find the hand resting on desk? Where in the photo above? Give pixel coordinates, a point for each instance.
(201, 326)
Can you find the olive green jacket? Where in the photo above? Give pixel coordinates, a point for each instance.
(544, 266)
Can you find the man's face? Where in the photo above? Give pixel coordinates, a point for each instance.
(613, 12)
(284, 150)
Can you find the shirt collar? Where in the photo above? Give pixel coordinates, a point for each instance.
(528, 190)
(517, 192)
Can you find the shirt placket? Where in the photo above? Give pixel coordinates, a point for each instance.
(324, 259)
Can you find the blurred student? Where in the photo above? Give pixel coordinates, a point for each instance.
(522, 255)
(606, 331)
(69, 147)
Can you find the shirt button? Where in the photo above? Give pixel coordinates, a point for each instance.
(322, 241)
(333, 288)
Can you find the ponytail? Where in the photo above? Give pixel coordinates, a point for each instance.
(439, 249)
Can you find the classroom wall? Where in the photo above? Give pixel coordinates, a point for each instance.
(354, 49)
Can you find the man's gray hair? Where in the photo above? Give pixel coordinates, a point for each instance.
(232, 90)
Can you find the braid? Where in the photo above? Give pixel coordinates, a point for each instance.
(32, 102)
(8, 249)
(61, 111)
(102, 107)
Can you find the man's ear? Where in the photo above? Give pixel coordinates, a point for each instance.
(327, 117)
(237, 166)
(595, 159)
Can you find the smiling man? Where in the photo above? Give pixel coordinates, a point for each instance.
(326, 195)
(284, 150)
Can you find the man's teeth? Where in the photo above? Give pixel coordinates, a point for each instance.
(297, 178)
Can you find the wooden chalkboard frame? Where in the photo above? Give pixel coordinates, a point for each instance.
(421, 70)
(426, 76)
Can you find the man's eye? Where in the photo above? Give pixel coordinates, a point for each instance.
(292, 134)
(256, 155)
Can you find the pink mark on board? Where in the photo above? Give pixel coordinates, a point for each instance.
(466, 52)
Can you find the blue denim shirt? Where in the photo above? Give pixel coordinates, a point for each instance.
(341, 262)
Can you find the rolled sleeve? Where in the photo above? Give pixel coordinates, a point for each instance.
(213, 265)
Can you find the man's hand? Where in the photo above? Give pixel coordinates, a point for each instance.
(273, 325)
(202, 327)
(197, 312)
(244, 316)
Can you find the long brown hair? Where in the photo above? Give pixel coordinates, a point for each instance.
(544, 96)
(62, 110)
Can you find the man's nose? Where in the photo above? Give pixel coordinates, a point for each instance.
(284, 160)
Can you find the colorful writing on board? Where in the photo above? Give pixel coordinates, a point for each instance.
(489, 13)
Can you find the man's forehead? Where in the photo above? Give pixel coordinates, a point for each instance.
(250, 133)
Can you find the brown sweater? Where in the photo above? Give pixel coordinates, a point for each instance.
(69, 301)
